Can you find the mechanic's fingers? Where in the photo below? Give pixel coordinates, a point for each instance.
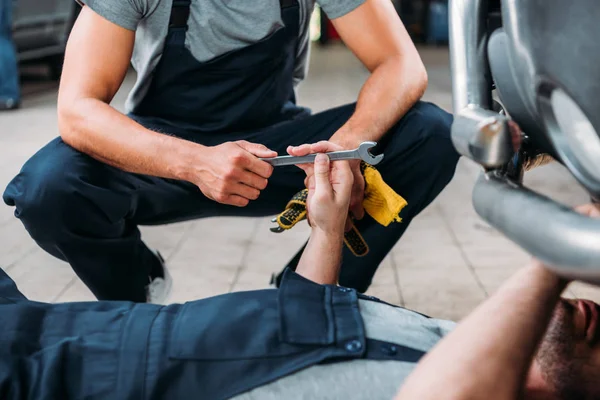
(344, 172)
(245, 191)
(348, 226)
(515, 134)
(321, 175)
(357, 210)
(253, 180)
(319, 147)
(299, 151)
(235, 200)
(308, 169)
(324, 147)
(257, 149)
(259, 167)
(591, 210)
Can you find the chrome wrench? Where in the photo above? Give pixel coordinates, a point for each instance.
(362, 152)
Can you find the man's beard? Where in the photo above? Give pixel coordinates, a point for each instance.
(556, 355)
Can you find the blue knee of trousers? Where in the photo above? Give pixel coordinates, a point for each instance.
(434, 127)
(421, 146)
(60, 191)
(41, 193)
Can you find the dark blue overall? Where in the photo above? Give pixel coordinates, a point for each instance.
(122, 350)
(87, 213)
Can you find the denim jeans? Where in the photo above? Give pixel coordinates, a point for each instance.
(9, 74)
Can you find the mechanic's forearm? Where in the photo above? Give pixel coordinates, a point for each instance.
(322, 258)
(95, 128)
(490, 352)
(391, 90)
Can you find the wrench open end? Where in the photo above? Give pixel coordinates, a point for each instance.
(365, 153)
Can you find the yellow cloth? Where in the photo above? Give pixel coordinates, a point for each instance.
(381, 202)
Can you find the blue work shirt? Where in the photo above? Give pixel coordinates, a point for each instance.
(213, 348)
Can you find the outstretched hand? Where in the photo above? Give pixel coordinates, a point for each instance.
(358, 187)
(329, 188)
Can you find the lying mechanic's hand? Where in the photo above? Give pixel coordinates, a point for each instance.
(232, 173)
(358, 188)
(329, 190)
(590, 210)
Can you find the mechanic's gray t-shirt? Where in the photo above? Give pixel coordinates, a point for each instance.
(361, 379)
(215, 27)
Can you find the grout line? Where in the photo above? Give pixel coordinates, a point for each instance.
(462, 252)
(184, 237)
(397, 279)
(243, 262)
(25, 255)
(64, 290)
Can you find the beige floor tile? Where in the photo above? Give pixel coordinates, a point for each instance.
(77, 291)
(16, 242)
(192, 284)
(427, 255)
(269, 252)
(41, 277)
(213, 243)
(491, 254)
(493, 278)
(385, 274)
(255, 276)
(166, 238)
(450, 294)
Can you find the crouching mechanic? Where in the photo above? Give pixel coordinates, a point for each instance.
(214, 94)
(309, 339)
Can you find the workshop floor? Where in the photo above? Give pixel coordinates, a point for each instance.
(448, 261)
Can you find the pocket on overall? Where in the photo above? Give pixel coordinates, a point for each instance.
(235, 326)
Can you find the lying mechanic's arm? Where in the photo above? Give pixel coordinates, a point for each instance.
(490, 352)
(96, 61)
(328, 198)
(374, 32)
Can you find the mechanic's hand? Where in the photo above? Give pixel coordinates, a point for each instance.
(358, 189)
(231, 173)
(589, 210)
(329, 192)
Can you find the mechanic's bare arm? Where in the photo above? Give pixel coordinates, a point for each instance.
(329, 189)
(490, 352)
(374, 32)
(96, 61)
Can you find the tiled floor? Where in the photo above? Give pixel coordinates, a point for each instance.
(448, 261)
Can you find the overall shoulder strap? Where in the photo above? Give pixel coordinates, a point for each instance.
(180, 13)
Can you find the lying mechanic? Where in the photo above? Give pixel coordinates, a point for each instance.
(309, 339)
(219, 78)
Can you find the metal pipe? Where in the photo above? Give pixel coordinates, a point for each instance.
(568, 242)
(467, 54)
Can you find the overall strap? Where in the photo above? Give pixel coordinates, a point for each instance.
(287, 3)
(180, 12)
